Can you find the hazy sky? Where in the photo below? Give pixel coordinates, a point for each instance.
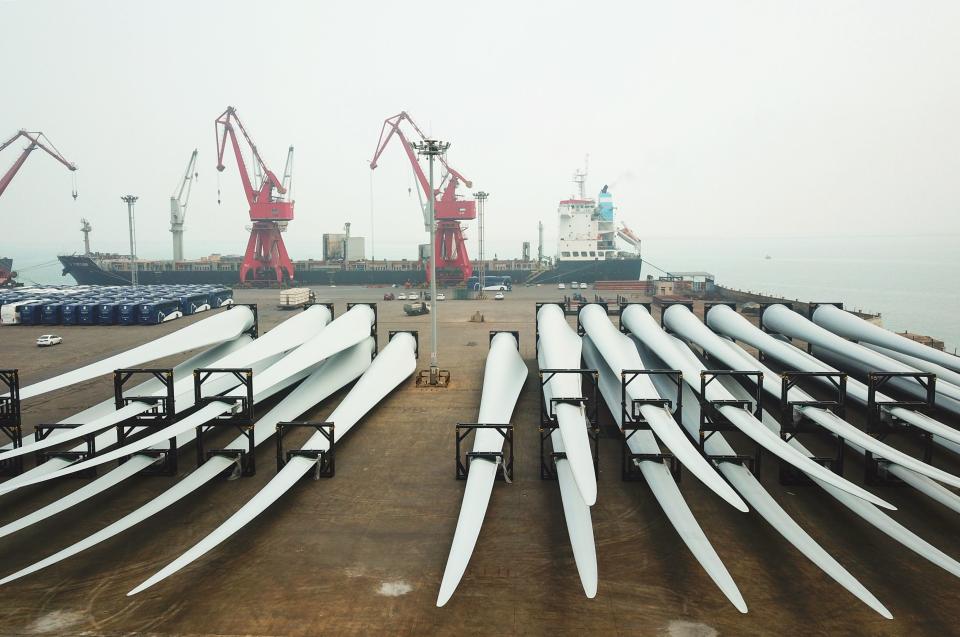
(707, 118)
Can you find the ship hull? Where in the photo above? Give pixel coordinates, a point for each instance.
(87, 271)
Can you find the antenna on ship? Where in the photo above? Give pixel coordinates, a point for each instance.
(580, 178)
(85, 228)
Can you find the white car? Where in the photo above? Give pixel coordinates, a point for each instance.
(561, 286)
(49, 339)
(401, 297)
(441, 296)
(413, 296)
(498, 296)
(573, 285)
(583, 286)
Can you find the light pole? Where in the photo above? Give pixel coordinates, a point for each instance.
(431, 148)
(481, 198)
(130, 200)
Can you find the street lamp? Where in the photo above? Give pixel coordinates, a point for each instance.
(130, 200)
(431, 148)
(481, 198)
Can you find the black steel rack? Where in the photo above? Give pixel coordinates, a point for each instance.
(463, 460)
(240, 417)
(880, 425)
(160, 415)
(10, 419)
(633, 421)
(548, 420)
(792, 422)
(712, 419)
(323, 459)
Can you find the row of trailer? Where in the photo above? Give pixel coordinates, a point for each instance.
(108, 305)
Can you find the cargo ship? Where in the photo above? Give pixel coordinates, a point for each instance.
(587, 251)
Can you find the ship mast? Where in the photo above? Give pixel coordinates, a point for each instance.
(580, 178)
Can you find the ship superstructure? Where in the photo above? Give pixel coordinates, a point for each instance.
(587, 237)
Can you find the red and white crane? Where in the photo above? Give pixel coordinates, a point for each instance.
(35, 142)
(453, 263)
(269, 207)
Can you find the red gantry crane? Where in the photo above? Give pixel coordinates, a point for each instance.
(269, 208)
(35, 143)
(453, 264)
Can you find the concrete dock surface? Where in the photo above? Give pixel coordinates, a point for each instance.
(363, 553)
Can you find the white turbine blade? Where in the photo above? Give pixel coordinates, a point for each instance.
(878, 518)
(639, 321)
(504, 376)
(663, 486)
(333, 375)
(343, 333)
(785, 321)
(725, 321)
(109, 437)
(560, 346)
(576, 511)
(620, 354)
(849, 326)
(209, 331)
(396, 362)
(921, 483)
(682, 321)
(761, 501)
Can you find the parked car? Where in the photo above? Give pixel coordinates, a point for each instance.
(413, 296)
(498, 296)
(441, 296)
(49, 339)
(389, 296)
(573, 285)
(561, 286)
(401, 297)
(583, 286)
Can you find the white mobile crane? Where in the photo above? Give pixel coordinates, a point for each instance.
(178, 206)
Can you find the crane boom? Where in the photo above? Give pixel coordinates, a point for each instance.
(178, 206)
(35, 143)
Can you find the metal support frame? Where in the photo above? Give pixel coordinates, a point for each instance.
(463, 429)
(11, 424)
(373, 328)
(324, 459)
(254, 331)
(161, 415)
(881, 423)
(548, 420)
(792, 422)
(41, 432)
(623, 305)
(712, 420)
(633, 421)
(240, 417)
(603, 304)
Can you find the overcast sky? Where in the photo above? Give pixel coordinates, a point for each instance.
(707, 118)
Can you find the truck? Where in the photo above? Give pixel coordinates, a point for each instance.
(293, 298)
